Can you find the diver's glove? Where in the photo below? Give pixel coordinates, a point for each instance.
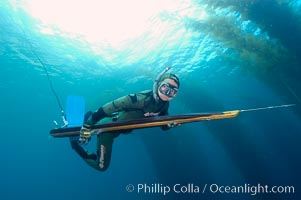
(173, 124)
(85, 135)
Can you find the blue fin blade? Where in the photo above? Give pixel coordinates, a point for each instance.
(75, 110)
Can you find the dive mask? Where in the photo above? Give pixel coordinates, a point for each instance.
(168, 89)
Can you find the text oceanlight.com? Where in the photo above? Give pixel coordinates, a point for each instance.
(190, 188)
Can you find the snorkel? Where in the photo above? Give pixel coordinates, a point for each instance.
(155, 85)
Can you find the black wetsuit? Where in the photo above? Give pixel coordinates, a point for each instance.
(133, 106)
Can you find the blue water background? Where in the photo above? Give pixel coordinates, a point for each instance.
(256, 147)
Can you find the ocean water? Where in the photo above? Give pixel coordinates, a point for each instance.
(228, 55)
